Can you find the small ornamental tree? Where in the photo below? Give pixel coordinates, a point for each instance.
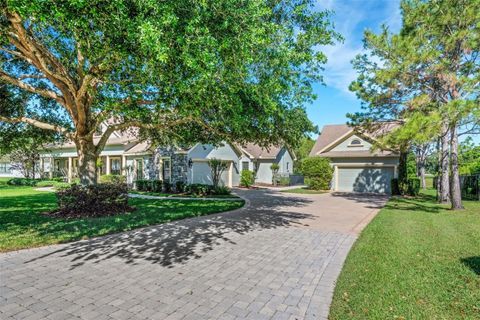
(217, 167)
(275, 167)
(318, 173)
(247, 178)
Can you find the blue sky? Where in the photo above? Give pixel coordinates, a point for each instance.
(351, 18)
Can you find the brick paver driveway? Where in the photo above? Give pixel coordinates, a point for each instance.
(276, 259)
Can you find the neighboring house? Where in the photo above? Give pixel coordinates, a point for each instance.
(7, 170)
(125, 154)
(357, 168)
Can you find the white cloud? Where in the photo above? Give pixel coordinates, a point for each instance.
(349, 19)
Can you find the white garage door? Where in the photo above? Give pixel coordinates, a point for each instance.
(375, 180)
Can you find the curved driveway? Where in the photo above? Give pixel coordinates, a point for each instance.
(278, 258)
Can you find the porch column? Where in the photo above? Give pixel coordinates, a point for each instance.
(124, 165)
(50, 171)
(108, 164)
(70, 168)
(230, 175)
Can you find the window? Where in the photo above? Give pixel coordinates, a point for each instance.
(245, 165)
(355, 143)
(4, 167)
(115, 166)
(287, 165)
(139, 168)
(167, 170)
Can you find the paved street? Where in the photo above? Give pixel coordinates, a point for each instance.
(276, 259)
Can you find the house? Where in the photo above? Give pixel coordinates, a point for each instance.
(7, 170)
(357, 167)
(125, 154)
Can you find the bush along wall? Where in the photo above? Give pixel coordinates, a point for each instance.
(318, 173)
(410, 187)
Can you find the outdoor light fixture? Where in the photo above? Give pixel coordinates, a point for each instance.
(190, 162)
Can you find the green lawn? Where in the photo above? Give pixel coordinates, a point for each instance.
(22, 225)
(415, 260)
(305, 191)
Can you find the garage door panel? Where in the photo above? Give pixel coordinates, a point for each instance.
(201, 173)
(364, 179)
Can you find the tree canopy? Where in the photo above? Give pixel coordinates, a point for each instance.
(179, 70)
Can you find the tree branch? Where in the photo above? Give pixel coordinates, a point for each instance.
(25, 86)
(38, 124)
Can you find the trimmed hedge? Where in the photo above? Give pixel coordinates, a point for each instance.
(112, 178)
(150, 185)
(92, 201)
(23, 182)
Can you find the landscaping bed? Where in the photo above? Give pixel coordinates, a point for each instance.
(415, 260)
(23, 224)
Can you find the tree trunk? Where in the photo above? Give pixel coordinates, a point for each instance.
(87, 161)
(402, 173)
(421, 152)
(455, 192)
(444, 192)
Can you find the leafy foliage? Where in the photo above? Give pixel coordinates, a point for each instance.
(22, 182)
(112, 178)
(92, 201)
(221, 69)
(247, 178)
(318, 172)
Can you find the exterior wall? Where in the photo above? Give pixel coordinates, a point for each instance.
(346, 145)
(200, 171)
(11, 173)
(131, 167)
(179, 164)
(285, 161)
(264, 173)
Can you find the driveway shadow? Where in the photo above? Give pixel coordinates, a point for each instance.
(372, 201)
(177, 242)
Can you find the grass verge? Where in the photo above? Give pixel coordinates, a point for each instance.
(415, 260)
(161, 194)
(304, 191)
(23, 226)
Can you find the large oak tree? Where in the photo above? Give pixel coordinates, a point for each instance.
(183, 69)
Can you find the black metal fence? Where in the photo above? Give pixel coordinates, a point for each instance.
(296, 180)
(469, 185)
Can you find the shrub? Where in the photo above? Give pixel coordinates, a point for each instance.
(413, 188)
(395, 187)
(284, 181)
(167, 186)
(318, 172)
(180, 186)
(156, 185)
(221, 190)
(92, 201)
(113, 178)
(199, 189)
(46, 183)
(247, 179)
(22, 182)
(142, 185)
(58, 179)
(316, 183)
